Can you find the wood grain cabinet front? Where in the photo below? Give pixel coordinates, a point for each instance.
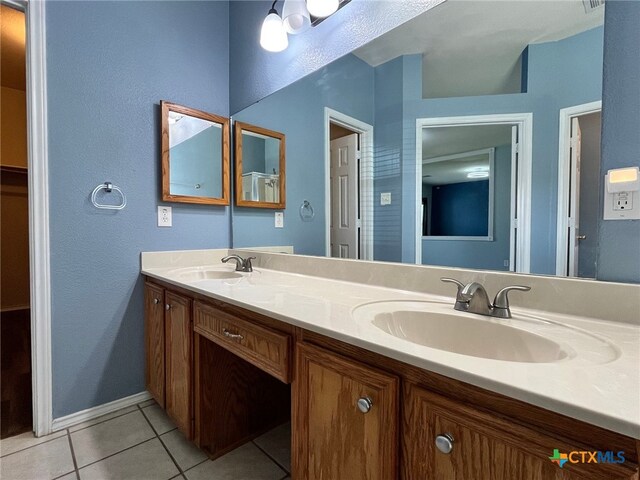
(345, 418)
(154, 341)
(448, 440)
(178, 361)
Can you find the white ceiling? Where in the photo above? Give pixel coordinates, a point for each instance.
(474, 46)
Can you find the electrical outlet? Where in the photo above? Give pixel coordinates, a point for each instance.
(279, 220)
(623, 201)
(385, 198)
(164, 216)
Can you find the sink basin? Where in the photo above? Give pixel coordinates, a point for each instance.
(193, 274)
(468, 336)
(524, 338)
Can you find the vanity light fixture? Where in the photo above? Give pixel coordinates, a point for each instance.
(322, 8)
(273, 36)
(295, 16)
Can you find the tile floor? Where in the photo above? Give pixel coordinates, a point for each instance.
(139, 443)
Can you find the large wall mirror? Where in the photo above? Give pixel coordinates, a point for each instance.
(195, 156)
(457, 124)
(259, 161)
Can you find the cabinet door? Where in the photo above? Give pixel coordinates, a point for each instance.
(333, 439)
(178, 359)
(154, 341)
(485, 446)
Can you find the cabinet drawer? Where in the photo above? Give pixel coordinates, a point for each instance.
(265, 348)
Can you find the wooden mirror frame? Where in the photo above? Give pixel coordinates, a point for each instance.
(166, 107)
(238, 128)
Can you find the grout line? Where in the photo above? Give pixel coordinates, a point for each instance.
(73, 456)
(35, 445)
(270, 457)
(160, 439)
(116, 453)
(197, 464)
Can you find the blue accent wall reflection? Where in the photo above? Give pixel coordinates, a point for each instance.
(108, 66)
(460, 209)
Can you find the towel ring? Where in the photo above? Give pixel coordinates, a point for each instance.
(108, 187)
(306, 211)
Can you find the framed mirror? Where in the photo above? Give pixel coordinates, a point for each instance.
(195, 156)
(259, 167)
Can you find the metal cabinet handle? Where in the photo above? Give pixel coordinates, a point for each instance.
(444, 443)
(581, 237)
(167, 307)
(233, 336)
(365, 404)
(156, 301)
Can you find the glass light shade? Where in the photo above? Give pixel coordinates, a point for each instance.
(273, 36)
(295, 16)
(322, 8)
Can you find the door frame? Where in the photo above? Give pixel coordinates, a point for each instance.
(366, 179)
(524, 121)
(38, 193)
(564, 178)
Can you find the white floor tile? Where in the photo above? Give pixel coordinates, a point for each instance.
(159, 419)
(25, 440)
(277, 443)
(243, 463)
(148, 461)
(103, 418)
(185, 453)
(99, 441)
(42, 462)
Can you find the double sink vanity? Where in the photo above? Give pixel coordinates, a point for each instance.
(384, 380)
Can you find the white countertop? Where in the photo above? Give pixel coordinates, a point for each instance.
(603, 394)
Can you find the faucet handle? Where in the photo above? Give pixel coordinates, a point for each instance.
(502, 300)
(246, 265)
(458, 283)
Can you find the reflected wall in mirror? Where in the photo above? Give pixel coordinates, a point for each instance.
(259, 166)
(532, 60)
(195, 156)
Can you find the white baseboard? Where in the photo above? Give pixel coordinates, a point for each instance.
(94, 412)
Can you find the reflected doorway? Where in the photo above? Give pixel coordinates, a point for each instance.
(473, 192)
(578, 190)
(348, 187)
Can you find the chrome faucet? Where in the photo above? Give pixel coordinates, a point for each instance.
(473, 298)
(242, 264)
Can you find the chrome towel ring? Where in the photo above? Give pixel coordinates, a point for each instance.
(108, 187)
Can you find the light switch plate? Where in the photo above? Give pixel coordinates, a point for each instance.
(279, 220)
(385, 198)
(164, 216)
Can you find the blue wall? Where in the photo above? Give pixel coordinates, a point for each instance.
(489, 255)
(191, 164)
(256, 73)
(557, 79)
(108, 66)
(298, 112)
(460, 209)
(619, 252)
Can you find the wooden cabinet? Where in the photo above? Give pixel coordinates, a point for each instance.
(169, 354)
(485, 446)
(178, 361)
(154, 341)
(333, 439)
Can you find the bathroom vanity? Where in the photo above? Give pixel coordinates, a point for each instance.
(230, 355)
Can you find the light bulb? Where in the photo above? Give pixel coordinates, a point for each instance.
(322, 8)
(273, 36)
(295, 16)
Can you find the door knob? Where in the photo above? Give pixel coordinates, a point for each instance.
(365, 404)
(581, 237)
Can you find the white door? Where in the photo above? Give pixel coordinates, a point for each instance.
(344, 197)
(513, 240)
(574, 197)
